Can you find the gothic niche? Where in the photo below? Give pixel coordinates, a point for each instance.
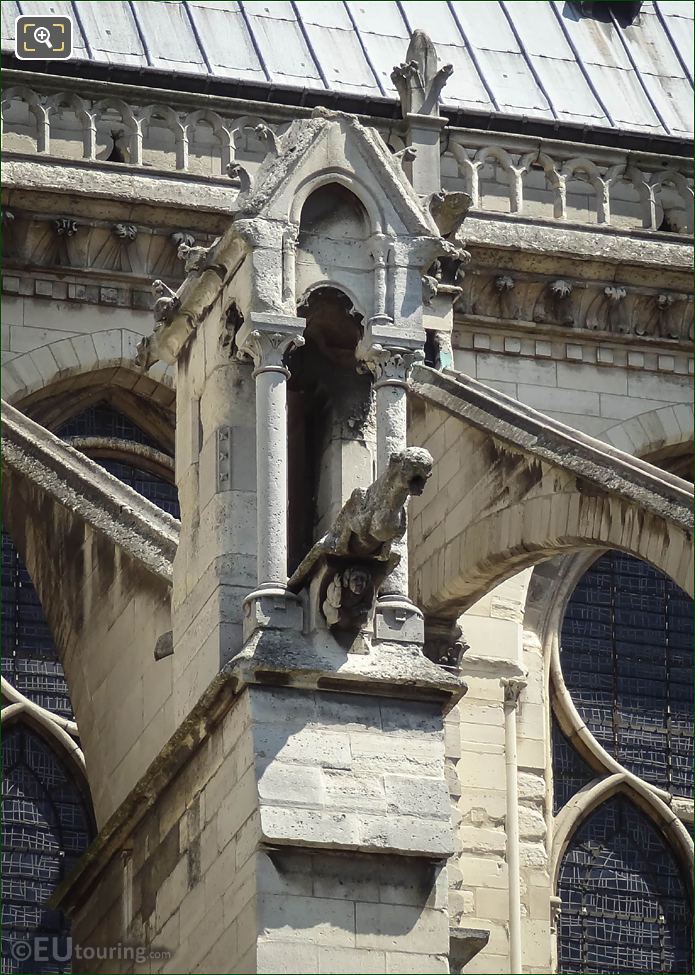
(331, 435)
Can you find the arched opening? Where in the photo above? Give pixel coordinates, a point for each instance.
(47, 826)
(626, 656)
(330, 426)
(625, 905)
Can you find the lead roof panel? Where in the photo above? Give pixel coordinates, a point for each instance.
(533, 58)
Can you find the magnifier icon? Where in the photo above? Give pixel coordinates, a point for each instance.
(42, 35)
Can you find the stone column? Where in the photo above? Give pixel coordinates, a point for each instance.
(267, 339)
(513, 686)
(397, 617)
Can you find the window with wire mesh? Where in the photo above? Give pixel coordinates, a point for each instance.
(570, 771)
(151, 486)
(625, 907)
(46, 828)
(626, 650)
(102, 420)
(29, 656)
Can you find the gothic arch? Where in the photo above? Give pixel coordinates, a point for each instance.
(646, 433)
(71, 362)
(585, 802)
(348, 181)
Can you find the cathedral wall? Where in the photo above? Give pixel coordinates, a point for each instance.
(567, 380)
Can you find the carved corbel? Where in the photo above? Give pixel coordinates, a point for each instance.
(609, 311)
(125, 231)
(65, 226)
(555, 303)
(444, 642)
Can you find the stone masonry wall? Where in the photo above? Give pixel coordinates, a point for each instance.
(276, 848)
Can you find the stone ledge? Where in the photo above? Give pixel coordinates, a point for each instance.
(317, 662)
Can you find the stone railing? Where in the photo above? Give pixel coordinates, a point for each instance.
(68, 125)
(542, 180)
(568, 182)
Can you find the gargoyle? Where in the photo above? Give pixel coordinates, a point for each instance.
(419, 81)
(372, 519)
(193, 257)
(449, 211)
(167, 302)
(239, 176)
(347, 565)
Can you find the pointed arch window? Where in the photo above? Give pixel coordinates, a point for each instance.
(626, 651)
(625, 907)
(47, 826)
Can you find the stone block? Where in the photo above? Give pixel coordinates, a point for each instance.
(387, 927)
(308, 827)
(308, 920)
(350, 961)
(354, 792)
(403, 963)
(291, 785)
(286, 958)
(421, 796)
(305, 746)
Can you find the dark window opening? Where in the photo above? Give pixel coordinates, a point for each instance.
(625, 907)
(626, 651)
(47, 826)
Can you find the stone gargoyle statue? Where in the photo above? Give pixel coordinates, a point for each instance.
(345, 568)
(372, 519)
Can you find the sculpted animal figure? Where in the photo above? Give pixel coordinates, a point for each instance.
(373, 518)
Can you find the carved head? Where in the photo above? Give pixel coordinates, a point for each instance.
(413, 466)
(356, 580)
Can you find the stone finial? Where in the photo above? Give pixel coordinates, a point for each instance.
(419, 80)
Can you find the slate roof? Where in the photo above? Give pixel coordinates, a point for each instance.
(539, 59)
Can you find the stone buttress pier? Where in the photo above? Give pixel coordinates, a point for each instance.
(299, 819)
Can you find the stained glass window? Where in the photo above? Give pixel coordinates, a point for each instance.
(626, 650)
(46, 828)
(570, 771)
(29, 656)
(624, 902)
(101, 420)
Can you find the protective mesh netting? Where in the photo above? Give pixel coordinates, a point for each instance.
(624, 902)
(46, 828)
(626, 651)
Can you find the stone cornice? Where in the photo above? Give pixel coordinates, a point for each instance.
(141, 529)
